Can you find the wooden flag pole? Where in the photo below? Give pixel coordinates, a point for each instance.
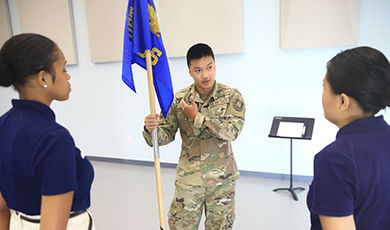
(155, 139)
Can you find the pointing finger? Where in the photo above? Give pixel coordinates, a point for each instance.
(192, 100)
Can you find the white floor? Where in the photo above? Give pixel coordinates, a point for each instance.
(124, 197)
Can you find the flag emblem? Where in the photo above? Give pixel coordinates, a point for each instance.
(142, 32)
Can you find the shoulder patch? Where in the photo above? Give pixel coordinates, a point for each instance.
(238, 104)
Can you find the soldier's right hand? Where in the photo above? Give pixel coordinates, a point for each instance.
(151, 122)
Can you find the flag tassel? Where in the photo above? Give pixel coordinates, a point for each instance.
(152, 106)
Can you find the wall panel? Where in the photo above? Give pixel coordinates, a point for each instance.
(186, 22)
(325, 23)
(5, 24)
(106, 20)
(52, 18)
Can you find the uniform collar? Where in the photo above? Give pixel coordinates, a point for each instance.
(363, 125)
(197, 97)
(34, 105)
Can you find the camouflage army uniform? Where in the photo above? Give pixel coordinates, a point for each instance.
(206, 172)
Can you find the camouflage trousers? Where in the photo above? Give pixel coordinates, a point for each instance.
(189, 201)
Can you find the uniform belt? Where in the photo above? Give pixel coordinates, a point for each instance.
(37, 221)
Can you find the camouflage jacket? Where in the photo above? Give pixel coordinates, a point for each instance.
(206, 157)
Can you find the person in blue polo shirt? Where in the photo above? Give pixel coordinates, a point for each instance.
(45, 181)
(351, 183)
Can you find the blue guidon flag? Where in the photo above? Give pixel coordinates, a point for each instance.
(142, 32)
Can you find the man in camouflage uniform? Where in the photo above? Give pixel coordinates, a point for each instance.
(210, 116)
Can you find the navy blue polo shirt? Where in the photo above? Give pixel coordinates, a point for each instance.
(352, 176)
(39, 157)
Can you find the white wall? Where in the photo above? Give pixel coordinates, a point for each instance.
(106, 118)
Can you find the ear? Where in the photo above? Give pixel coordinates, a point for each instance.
(43, 78)
(345, 102)
(190, 73)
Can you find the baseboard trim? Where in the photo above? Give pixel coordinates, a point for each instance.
(278, 176)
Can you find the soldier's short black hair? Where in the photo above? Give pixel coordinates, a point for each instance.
(198, 51)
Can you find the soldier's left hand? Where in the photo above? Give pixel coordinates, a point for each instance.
(189, 110)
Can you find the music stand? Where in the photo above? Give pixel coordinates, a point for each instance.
(292, 128)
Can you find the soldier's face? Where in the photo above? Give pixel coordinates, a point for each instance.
(203, 72)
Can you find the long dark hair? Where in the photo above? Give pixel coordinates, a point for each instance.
(24, 55)
(364, 74)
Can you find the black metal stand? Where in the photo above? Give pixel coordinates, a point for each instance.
(291, 188)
